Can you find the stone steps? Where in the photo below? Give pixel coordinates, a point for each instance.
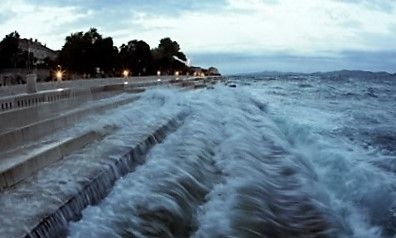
(18, 118)
(30, 132)
(20, 164)
(46, 206)
(42, 121)
(100, 185)
(47, 203)
(25, 109)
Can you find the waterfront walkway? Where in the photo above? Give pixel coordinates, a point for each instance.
(38, 131)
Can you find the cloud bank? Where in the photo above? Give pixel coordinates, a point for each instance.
(327, 32)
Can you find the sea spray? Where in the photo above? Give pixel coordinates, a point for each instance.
(291, 157)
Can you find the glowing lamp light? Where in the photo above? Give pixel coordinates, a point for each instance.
(59, 75)
(158, 73)
(177, 75)
(125, 73)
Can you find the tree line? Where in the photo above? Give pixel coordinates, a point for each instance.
(11, 56)
(90, 53)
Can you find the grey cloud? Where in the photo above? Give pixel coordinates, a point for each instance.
(379, 40)
(169, 7)
(379, 5)
(117, 15)
(4, 16)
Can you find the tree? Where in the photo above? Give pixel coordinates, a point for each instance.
(105, 54)
(24, 59)
(47, 63)
(136, 56)
(165, 53)
(73, 55)
(9, 50)
(84, 52)
(11, 56)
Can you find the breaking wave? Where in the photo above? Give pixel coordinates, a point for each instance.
(270, 158)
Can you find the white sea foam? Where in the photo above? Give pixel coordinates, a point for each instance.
(271, 159)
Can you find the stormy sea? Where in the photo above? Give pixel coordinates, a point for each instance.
(263, 155)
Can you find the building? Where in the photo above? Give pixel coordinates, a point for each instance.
(198, 71)
(40, 51)
(11, 76)
(213, 71)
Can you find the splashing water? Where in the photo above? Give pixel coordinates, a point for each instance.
(290, 157)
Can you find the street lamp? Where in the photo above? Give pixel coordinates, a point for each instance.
(59, 75)
(159, 74)
(125, 73)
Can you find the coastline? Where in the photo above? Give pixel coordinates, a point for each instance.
(86, 83)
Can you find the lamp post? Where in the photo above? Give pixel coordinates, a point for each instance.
(59, 75)
(31, 77)
(125, 73)
(159, 74)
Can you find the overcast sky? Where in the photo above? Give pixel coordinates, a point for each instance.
(234, 35)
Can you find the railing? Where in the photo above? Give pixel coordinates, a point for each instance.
(80, 87)
(29, 100)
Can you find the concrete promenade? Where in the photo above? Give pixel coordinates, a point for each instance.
(39, 130)
(83, 83)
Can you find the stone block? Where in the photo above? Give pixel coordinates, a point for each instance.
(31, 83)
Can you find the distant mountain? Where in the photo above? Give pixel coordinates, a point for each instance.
(332, 75)
(346, 74)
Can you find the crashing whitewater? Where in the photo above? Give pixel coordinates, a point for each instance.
(270, 158)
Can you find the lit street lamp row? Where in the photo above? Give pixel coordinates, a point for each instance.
(125, 73)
